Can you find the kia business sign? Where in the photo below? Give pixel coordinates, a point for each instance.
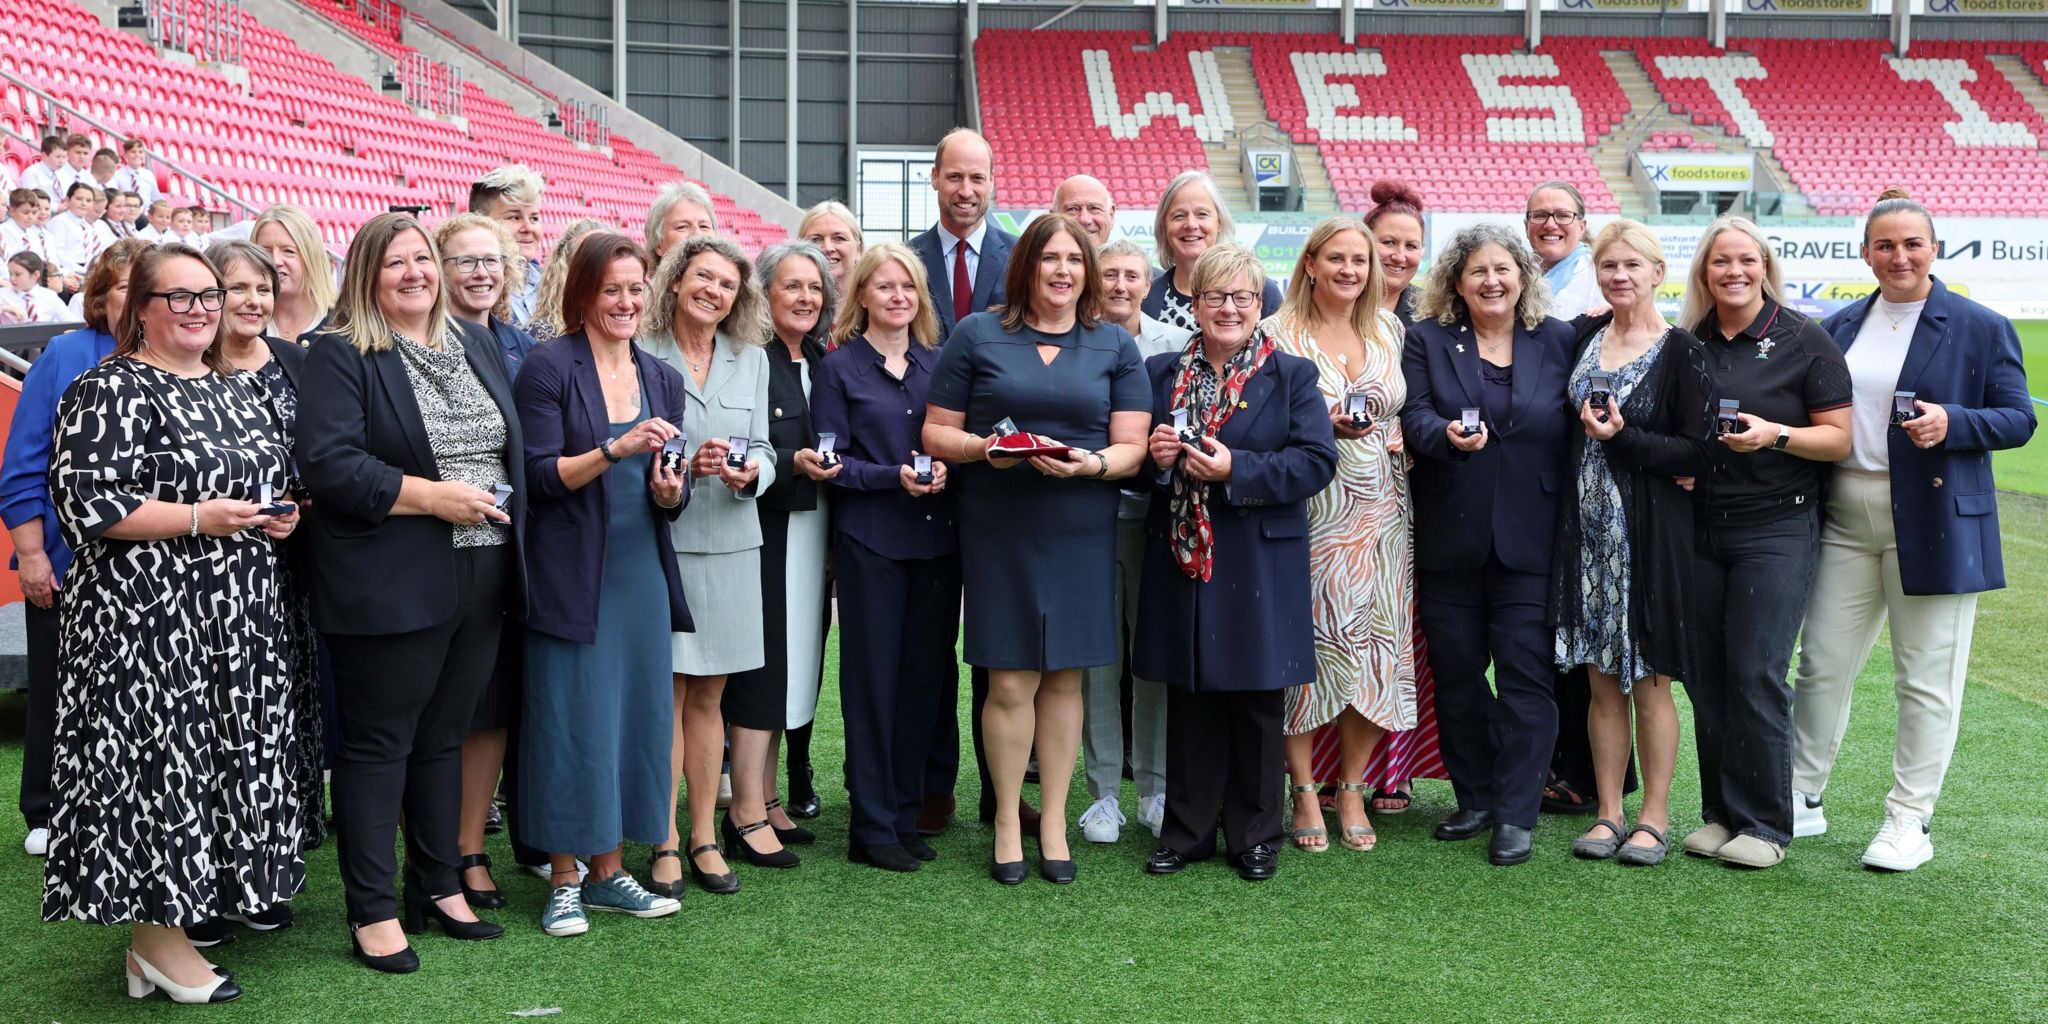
(1682, 171)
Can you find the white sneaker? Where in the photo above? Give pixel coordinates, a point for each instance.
(38, 842)
(1152, 813)
(1103, 821)
(547, 874)
(1901, 845)
(1807, 817)
(724, 790)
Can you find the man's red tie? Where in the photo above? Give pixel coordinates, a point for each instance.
(963, 289)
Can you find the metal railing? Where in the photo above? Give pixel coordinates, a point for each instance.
(55, 115)
(208, 29)
(429, 84)
(588, 123)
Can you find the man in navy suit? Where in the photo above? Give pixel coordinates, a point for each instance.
(965, 258)
(964, 255)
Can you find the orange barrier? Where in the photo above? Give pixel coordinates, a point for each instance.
(10, 396)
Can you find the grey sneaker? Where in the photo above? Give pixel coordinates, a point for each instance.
(564, 915)
(620, 894)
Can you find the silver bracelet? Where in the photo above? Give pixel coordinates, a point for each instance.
(195, 519)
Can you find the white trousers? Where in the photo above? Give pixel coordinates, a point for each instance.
(1855, 590)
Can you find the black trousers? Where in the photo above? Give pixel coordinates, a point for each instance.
(1753, 583)
(405, 703)
(40, 731)
(898, 619)
(1496, 740)
(1224, 760)
(942, 764)
(512, 658)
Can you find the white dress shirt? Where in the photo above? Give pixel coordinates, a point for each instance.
(41, 176)
(141, 181)
(38, 305)
(949, 241)
(14, 238)
(74, 242)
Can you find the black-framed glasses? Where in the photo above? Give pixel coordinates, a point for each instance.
(182, 300)
(471, 264)
(1563, 217)
(1242, 300)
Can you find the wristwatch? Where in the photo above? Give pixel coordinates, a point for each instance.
(1784, 438)
(604, 447)
(1102, 469)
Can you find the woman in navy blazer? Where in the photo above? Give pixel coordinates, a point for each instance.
(595, 737)
(405, 424)
(1223, 612)
(1485, 507)
(1910, 533)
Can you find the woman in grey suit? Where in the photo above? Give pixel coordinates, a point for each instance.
(708, 322)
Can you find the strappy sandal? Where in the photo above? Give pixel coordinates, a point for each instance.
(1643, 856)
(1600, 849)
(1560, 798)
(1312, 832)
(1358, 837)
(1401, 797)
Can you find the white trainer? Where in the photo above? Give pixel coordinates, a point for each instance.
(1901, 845)
(38, 842)
(1103, 821)
(1808, 819)
(1152, 813)
(547, 874)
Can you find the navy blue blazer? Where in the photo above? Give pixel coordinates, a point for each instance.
(1249, 628)
(562, 412)
(988, 272)
(359, 435)
(1504, 497)
(1944, 506)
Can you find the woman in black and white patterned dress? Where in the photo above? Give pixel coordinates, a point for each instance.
(173, 798)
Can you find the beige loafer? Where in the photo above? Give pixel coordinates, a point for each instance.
(1747, 851)
(1707, 840)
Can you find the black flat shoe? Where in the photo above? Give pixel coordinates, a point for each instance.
(917, 847)
(487, 899)
(736, 839)
(419, 910)
(795, 835)
(1463, 824)
(1009, 874)
(1165, 861)
(887, 856)
(803, 793)
(1058, 872)
(215, 932)
(276, 919)
(1510, 845)
(1258, 864)
(405, 961)
(718, 885)
(672, 890)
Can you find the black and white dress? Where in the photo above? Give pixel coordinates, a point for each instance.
(174, 800)
(301, 655)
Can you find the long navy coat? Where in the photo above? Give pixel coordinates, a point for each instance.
(1249, 627)
(1966, 359)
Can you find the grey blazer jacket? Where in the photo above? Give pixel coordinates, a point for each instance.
(732, 403)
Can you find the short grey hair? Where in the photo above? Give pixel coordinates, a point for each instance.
(1226, 228)
(771, 261)
(665, 203)
(1121, 248)
(746, 322)
(1440, 299)
(224, 255)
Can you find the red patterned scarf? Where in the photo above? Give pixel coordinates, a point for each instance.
(1193, 536)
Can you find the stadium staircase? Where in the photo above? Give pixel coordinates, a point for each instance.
(1248, 107)
(2029, 79)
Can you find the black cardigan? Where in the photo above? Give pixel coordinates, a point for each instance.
(790, 427)
(1673, 439)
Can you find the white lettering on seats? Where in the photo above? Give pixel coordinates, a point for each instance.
(1976, 128)
(1324, 98)
(1724, 73)
(1565, 123)
(1213, 124)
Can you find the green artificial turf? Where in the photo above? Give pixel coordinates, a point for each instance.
(2026, 469)
(1416, 930)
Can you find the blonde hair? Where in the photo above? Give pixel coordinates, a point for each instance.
(1222, 262)
(357, 317)
(831, 208)
(319, 269)
(554, 274)
(1440, 299)
(515, 183)
(1226, 228)
(508, 252)
(1632, 234)
(1699, 299)
(746, 322)
(665, 203)
(1300, 301)
(853, 317)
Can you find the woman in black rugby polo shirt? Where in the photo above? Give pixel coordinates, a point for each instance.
(1759, 534)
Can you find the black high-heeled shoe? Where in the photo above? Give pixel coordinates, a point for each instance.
(1058, 872)
(672, 890)
(736, 840)
(1011, 873)
(795, 835)
(803, 793)
(405, 961)
(720, 885)
(487, 899)
(419, 910)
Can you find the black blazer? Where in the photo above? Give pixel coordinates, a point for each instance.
(790, 427)
(562, 412)
(290, 356)
(1502, 498)
(359, 435)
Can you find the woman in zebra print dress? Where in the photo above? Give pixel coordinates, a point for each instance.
(174, 796)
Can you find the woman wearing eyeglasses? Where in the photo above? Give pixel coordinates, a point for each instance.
(174, 712)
